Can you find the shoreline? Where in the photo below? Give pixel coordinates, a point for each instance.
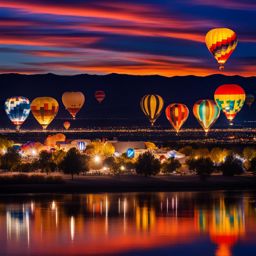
(119, 184)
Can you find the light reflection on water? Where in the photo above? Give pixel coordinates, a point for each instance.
(215, 223)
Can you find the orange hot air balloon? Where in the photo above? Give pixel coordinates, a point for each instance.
(44, 110)
(73, 102)
(66, 125)
(221, 42)
(177, 114)
(100, 96)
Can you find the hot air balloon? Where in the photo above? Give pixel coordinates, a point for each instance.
(66, 125)
(17, 109)
(230, 98)
(100, 96)
(206, 112)
(152, 106)
(73, 102)
(249, 99)
(177, 114)
(221, 42)
(44, 109)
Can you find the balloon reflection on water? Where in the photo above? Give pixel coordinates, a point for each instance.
(121, 220)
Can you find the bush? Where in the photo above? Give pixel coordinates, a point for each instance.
(231, 166)
(147, 164)
(170, 165)
(24, 167)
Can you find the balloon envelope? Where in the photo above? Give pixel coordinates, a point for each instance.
(221, 42)
(177, 114)
(44, 109)
(230, 98)
(152, 106)
(73, 102)
(100, 96)
(249, 99)
(206, 112)
(17, 109)
(66, 125)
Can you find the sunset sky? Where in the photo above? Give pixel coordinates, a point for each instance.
(164, 37)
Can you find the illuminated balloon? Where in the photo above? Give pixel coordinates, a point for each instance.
(152, 106)
(230, 98)
(66, 125)
(206, 113)
(177, 114)
(249, 99)
(17, 109)
(73, 102)
(221, 42)
(100, 96)
(44, 109)
(130, 153)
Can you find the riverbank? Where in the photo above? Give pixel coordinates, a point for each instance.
(101, 184)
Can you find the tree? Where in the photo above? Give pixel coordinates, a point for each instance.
(231, 166)
(170, 165)
(253, 166)
(147, 164)
(74, 163)
(203, 167)
(10, 160)
(45, 161)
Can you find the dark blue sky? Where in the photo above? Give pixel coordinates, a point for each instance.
(164, 37)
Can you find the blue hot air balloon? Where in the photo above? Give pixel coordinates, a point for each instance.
(130, 153)
(81, 145)
(17, 109)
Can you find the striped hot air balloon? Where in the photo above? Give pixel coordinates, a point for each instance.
(177, 114)
(230, 98)
(152, 106)
(206, 112)
(221, 42)
(100, 96)
(17, 109)
(44, 110)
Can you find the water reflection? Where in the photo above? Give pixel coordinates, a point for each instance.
(217, 224)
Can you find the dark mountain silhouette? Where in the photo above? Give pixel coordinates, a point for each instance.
(123, 94)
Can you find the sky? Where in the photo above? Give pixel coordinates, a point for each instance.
(139, 37)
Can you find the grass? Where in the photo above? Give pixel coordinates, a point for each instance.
(19, 179)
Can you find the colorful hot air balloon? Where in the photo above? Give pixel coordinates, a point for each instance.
(66, 125)
(177, 114)
(230, 98)
(17, 109)
(44, 109)
(249, 99)
(73, 102)
(152, 106)
(221, 42)
(206, 112)
(100, 96)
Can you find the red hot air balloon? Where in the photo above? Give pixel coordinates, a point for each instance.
(177, 114)
(100, 96)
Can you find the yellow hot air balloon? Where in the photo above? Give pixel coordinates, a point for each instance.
(152, 106)
(221, 42)
(73, 102)
(44, 109)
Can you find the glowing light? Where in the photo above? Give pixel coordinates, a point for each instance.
(122, 168)
(97, 159)
(72, 227)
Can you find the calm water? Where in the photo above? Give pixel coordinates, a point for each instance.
(215, 223)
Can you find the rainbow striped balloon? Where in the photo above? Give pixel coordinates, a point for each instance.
(221, 42)
(230, 98)
(152, 106)
(177, 114)
(206, 112)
